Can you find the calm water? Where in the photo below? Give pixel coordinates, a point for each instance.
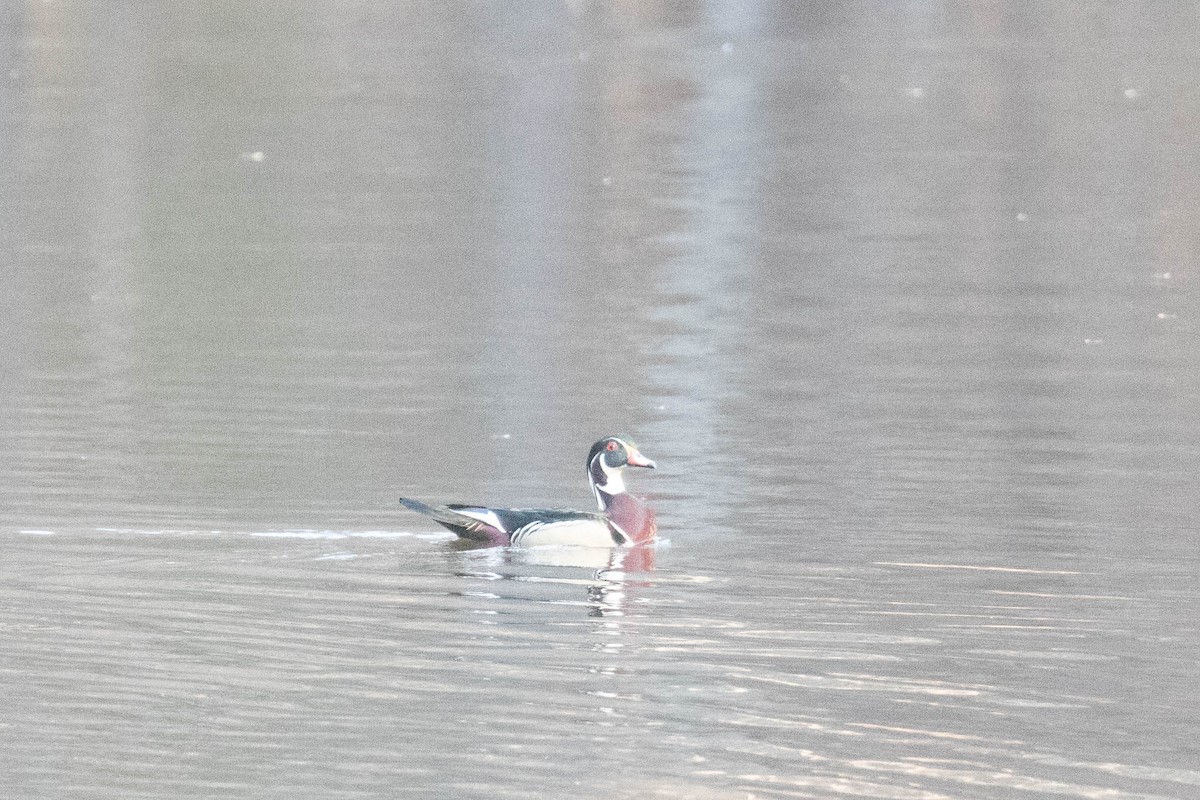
(903, 299)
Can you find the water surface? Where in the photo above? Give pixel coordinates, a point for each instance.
(902, 300)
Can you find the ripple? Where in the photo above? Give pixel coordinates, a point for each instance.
(980, 568)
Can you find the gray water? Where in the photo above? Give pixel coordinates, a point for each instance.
(901, 297)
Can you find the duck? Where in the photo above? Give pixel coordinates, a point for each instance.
(622, 519)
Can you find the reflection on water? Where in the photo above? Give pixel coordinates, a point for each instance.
(902, 298)
(613, 574)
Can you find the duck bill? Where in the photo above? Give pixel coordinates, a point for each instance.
(636, 459)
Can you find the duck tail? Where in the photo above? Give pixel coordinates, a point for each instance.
(419, 507)
(461, 524)
(436, 513)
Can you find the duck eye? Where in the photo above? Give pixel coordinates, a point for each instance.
(611, 446)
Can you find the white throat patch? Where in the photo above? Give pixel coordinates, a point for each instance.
(614, 479)
(614, 482)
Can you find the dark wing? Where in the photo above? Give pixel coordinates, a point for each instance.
(513, 519)
(495, 524)
(469, 525)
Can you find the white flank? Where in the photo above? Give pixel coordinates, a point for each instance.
(579, 532)
(488, 516)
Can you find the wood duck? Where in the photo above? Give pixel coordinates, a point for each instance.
(622, 520)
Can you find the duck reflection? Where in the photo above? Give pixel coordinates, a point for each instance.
(605, 574)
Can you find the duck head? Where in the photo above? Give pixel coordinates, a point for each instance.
(607, 459)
